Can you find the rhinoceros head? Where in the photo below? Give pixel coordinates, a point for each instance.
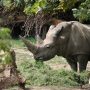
(45, 50)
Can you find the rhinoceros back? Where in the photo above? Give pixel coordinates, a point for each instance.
(79, 41)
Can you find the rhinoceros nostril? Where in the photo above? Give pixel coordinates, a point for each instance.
(40, 58)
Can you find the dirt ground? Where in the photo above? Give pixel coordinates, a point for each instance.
(50, 88)
(56, 88)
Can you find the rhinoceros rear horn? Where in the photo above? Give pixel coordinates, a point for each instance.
(39, 40)
(29, 45)
(57, 30)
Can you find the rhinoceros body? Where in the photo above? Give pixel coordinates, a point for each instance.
(68, 39)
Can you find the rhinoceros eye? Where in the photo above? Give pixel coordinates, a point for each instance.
(47, 46)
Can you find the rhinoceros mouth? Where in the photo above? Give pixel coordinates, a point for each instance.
(43, 58)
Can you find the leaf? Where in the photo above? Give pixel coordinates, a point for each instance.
(5, 45)
(7, 3)
(5, 33)
(7, 59)
(42, 3)
(82, 13)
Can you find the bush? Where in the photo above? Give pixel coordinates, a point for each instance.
(5, 46)
(83, 12)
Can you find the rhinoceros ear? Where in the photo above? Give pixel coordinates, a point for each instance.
(57, 30)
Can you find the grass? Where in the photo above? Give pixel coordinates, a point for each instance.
(41, 74)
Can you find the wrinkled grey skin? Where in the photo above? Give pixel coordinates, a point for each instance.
(68, 39)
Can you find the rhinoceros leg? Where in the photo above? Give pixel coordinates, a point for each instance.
(82, 62)
(73, 63)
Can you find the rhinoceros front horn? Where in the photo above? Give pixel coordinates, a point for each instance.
(29, 45)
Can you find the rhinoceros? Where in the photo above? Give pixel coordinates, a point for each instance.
(68, 39)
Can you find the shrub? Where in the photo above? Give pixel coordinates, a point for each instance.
(5, 46)
(83, 12)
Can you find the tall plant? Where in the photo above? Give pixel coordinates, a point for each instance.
(5, 46)
(49, 5)
(83, 12)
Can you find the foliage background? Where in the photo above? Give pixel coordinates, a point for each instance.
(27, 13)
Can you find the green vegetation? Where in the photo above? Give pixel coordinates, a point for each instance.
(49, 6)
(43, 75)
(33, 6)
(38, 12)
(83, 12)
(5, 46)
